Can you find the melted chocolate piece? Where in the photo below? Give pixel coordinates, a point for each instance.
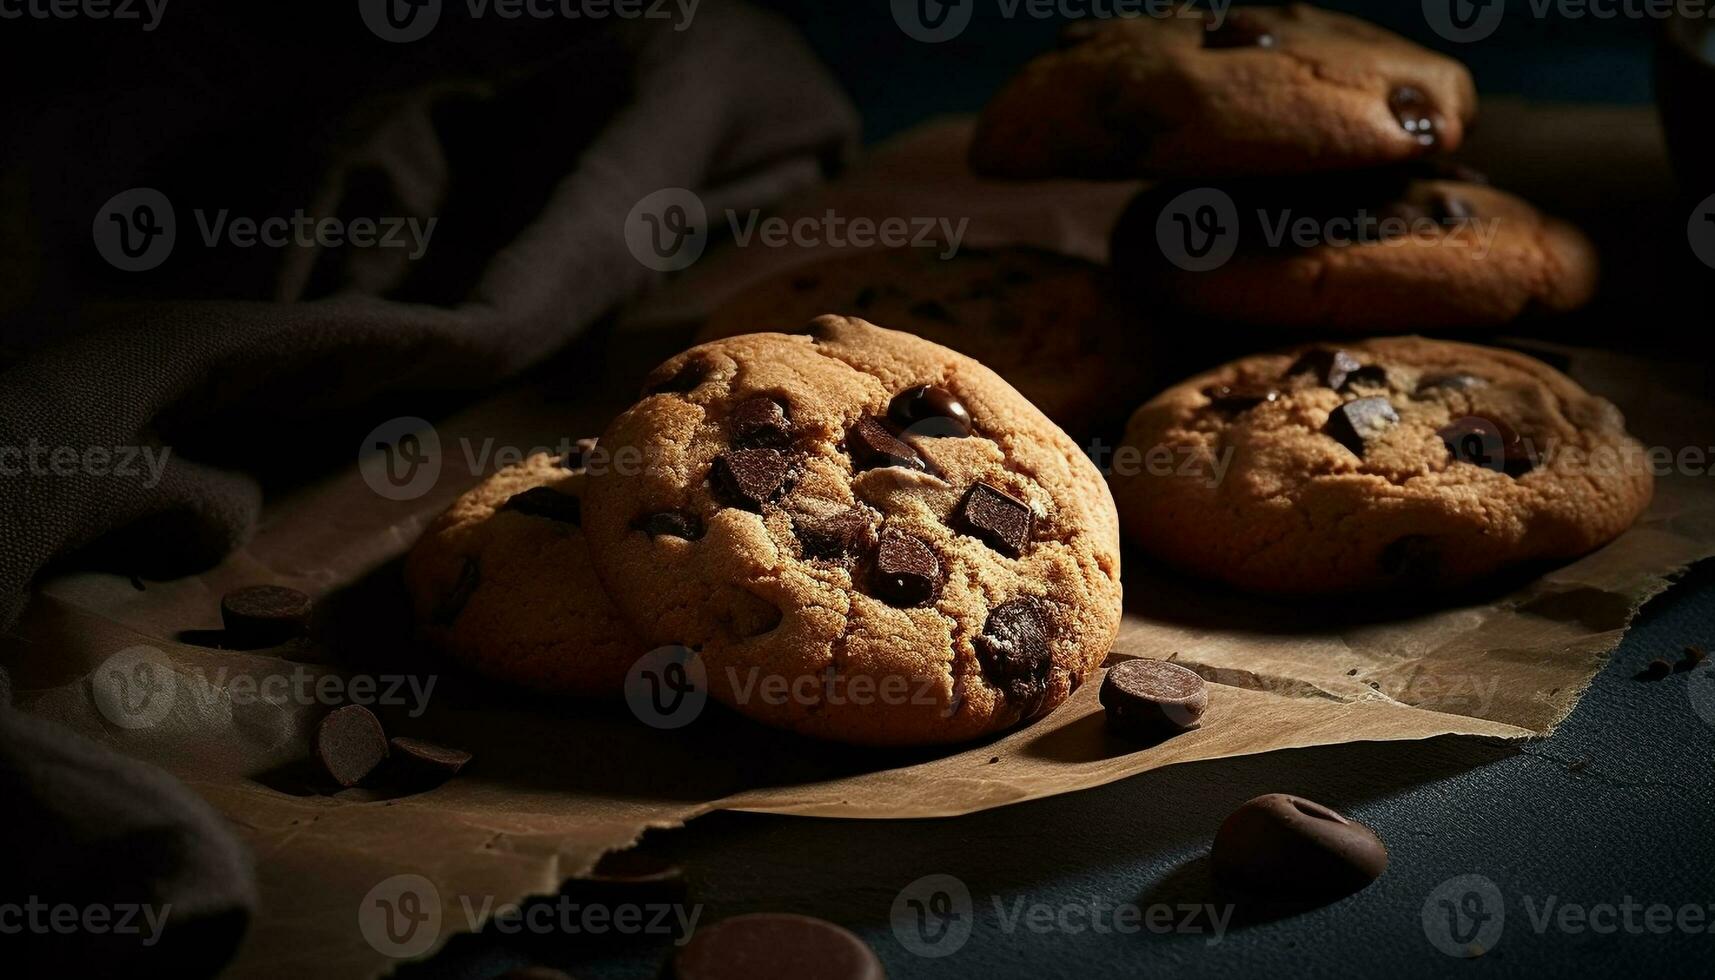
(1151, 698)
(1416, 113)
(1328, 367)
(672, 523)
(930, 410)
(1452, 382)
(350, 744)
(1289, 849)
(872, 447)
(749, 478)
(1000, 520)
(848, 534)
(907, 573)
(1239, 398)
(1370, 375)
(759, 423)
(546, 502)
(689, 375)
(1489, 443)
(1013, 650)
(1358, 421)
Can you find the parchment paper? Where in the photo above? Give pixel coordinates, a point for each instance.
(555, 784)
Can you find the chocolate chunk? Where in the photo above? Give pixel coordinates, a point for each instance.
(1358, 421)
(1489, 443)
(350, 744)
(427, 758)
(749, 478)
(848, 534)
(689, 375)
(672, 523)
(1413, 558)
(907, 573)
(263, 615)
(1001, 520)
(1452, 382)
(470, 576)
(1013, 650)
(1239, 31)
(930, 310)
(770, 944)
(1151, 698)
(1370, 375)
(1450, 207)
(578, 457)
(1328, 367)
(1239, 398)
(930, 410)
(1416, 113)
(757, 423)
(873, 447)
(1288, 849)
(547, 502)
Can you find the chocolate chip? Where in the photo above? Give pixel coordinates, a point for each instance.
(1489, 443)
(688, 376)
(1013, 650)
(1452, 382)
(749, 478)
(1358, 421)
(578, 456)
(999, 519)
(672, 523)
(848, 534)
(350, 744)
(930, 410)
(1239, 398)
(1151, 698)
(1655, 670)
(546, 502)
(759, 423)
(1370, 376)
(470, 576)
(775, 945)
(1416, 113)
(263, 615)
(1328, 367)
(1239, 31)
(1413, 558)
(873, 447)
(907, 573)
(1289, 849)
(1451, 207)
(930, 310)
(427, 758)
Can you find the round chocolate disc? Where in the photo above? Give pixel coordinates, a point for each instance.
(1288, 849)
(776, 945)
(1151, 698)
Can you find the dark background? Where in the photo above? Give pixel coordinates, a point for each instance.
(1618, 803)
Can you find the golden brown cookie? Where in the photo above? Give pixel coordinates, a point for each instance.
(1046, 323)
(1277, 90)
(502, 582)
(875, 525)
(1392, 463)
(1380, 252)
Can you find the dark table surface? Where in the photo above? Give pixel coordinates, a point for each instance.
(1582, 842)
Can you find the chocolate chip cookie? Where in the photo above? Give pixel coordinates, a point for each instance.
(867, 537)
(1392, 463)
(1380, 252)
(1046, 323)
(1283, 90)
(503, 583)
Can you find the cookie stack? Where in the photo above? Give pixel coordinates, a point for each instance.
(1301, 184)
(865, 536)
